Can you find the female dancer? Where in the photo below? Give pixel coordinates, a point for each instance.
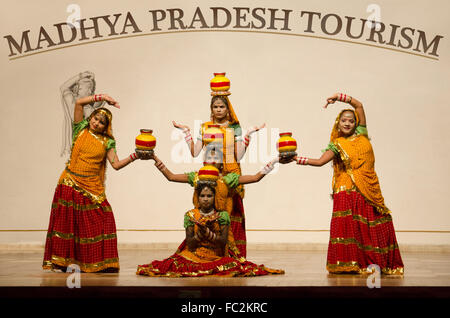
(362, 232)
(233, 149)
(206, 250)
(82, 229)
(225, 188)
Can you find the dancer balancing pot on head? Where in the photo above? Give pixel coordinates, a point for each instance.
(233, 145)
(207, 249)
(224, 185)
(82, 229)
(361, 232)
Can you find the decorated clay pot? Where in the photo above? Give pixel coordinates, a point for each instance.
(208, 173)
(287, 145)
(220, 85)
(145, 143)
(213, 134)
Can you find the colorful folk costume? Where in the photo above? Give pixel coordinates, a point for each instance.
(361, 232)
(207, 259)
(82, 229)
(232, 133)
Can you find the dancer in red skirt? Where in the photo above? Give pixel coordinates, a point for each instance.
(82, 229)
(208, 250)
(362, 232)
(234, 146)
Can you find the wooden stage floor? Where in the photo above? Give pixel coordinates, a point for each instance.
(427, 276)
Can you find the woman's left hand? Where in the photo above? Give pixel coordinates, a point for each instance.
(331, 100)
(111, 101)
(255, 129)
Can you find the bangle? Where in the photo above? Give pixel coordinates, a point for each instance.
(188, 137)
(344, 98)
(302, 161)
(133, 156)
(267, 168)
(98, 97)
(247, 140)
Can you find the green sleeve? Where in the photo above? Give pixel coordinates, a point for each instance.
(237, 131)
(187, 221)
(361, 130)
(224, 218)
(76, 128)
(231, 180)
(111, 143)
(191, 177)
(331, 146)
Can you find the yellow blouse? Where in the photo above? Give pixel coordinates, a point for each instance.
(355, 169)
(206, 251)
(85, 170)
(231, 133)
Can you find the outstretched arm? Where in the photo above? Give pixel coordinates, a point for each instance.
(241, 146)
(194, 148)
(119, 164)
(257, 177)
(326, 157)
(356, 104)
(183, 178)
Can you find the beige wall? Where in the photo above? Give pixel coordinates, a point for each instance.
(277, 79)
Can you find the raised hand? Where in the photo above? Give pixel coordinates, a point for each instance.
(111, 101)
(331, 100)
(255, 129)
(180, 126)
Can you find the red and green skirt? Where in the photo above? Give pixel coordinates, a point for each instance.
(80, 232)
(228, 266)
(360, 236)
(238, 225)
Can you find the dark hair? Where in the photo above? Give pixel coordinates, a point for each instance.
(107, 119)
(222, 98)
(348, 110)
(203, 185)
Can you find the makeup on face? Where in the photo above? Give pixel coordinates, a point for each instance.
(206, 199)
(98, 123)
(219, 109)
(347, 123)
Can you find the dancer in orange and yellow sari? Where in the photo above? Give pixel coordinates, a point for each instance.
(224, 185)
(361, 232)
(207, 249)
(224, 119)
(82, 229)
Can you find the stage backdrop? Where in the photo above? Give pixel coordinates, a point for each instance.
(284, 58)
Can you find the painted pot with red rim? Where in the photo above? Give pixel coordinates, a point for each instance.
(220, 85)
(213, 134)
(286, 145)
(208, 173)
(145, 143)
